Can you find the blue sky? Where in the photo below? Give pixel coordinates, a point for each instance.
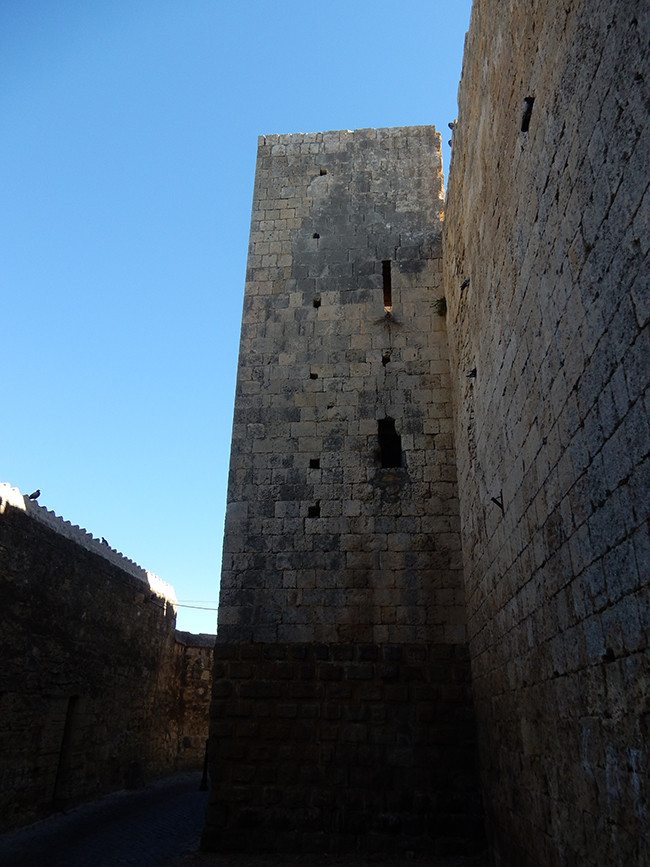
(127, 157)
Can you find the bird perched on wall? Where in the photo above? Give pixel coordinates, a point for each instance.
(452, 125)
(34, 495)
(104, 542)
(464, 284)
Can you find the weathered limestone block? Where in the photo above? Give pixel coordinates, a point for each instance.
(339, 332)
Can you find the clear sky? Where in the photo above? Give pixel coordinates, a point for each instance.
(127, 156)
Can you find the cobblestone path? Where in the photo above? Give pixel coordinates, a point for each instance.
(158, 825)
(152, 826)
(200, 860)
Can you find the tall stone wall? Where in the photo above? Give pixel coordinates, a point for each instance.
(96, 693)
(342, 527)
(546, 276)
(322, 542)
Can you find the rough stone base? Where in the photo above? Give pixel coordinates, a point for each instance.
(342, 748)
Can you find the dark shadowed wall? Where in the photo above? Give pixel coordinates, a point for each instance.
(95, 691)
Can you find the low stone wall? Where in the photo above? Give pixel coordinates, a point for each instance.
(342, 748)
(96, 693)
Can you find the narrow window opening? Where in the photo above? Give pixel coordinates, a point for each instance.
(313, 375)
(314, 511)
(388, 288)
(390, 443)
(316, 302)
(314, 463)
(322, 172)
(316, 236)
(385, 358)
(65, 751)
(528, 110)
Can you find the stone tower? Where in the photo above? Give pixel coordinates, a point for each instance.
(341, 714)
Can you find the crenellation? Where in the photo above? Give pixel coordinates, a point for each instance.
(12, 497)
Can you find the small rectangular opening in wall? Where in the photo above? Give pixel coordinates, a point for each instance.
(390, 443)
(314, 511)
(527, 113)
(388, 287)
(65, 751)
(314, 463)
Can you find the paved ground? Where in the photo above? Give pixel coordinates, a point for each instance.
(321, 861)
(158, 825)
(150, 826)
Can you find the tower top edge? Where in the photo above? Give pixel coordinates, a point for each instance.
(362, 132)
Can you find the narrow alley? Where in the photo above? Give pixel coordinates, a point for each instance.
(160, 825)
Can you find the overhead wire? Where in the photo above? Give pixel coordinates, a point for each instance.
(197, 603)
